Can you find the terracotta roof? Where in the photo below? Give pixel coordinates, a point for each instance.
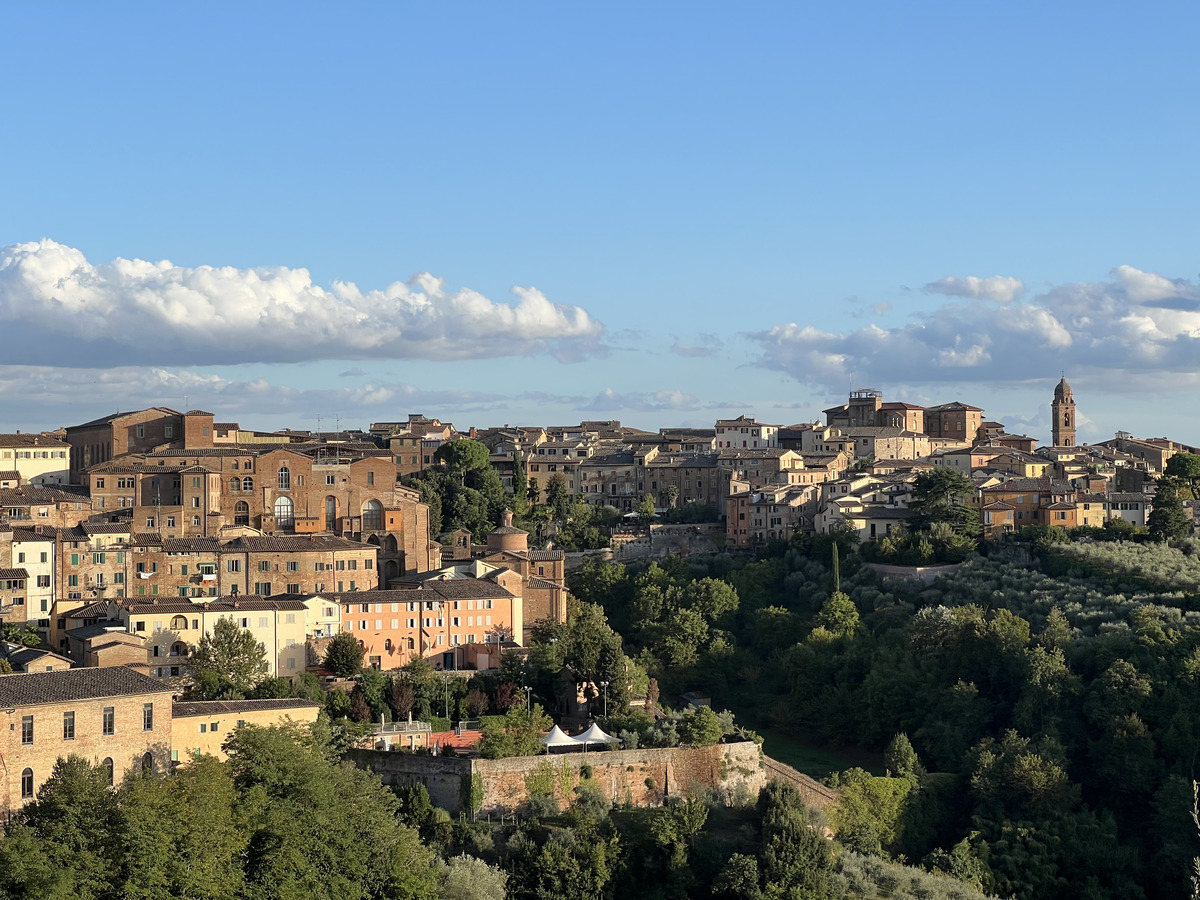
(13, 573)
(546, 555)
(10, 475)
(294, 543)
(33, 440)
(212, 707)
(26, 495)
(39, 688)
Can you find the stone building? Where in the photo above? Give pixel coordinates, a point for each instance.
(115, 717)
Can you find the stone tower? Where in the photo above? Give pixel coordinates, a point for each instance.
(1062, 415)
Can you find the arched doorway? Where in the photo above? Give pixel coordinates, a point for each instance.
(391, 569)
(331, 514)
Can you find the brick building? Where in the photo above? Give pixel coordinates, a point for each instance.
(116, 717)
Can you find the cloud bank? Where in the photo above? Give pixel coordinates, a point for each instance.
(55, 305)
(1135, 325)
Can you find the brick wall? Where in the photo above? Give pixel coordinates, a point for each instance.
(125, 746)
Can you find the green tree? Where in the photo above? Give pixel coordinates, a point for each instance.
(466, 877)
(462, 456)
(317, 829)
(181, 836)
(943, 495)
(838, 616)
(700, 727)
(1168, 520)
(558, 498)
(69, 839)
(517, 733)
(1186, 467)
(344, 655)
(228, 662)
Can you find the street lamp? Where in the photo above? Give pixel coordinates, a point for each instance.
(528, 697)
(604, 684)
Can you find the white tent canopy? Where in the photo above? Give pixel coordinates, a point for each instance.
(594, 735)
(558, 738)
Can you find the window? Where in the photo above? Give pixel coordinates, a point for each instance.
(141, 431)
(241, 513)
(285, 478)
(26, 730)
(147, 717)
(247, 484)
(195, 503)
(262, 588)
(196, 521)
(235, 565)
(285, 512)
(168, 431)
(331, 479)
(293, 588)
(27, 784)
(170, 521)
(293, 566)
(204, 728)
(372, 516)
(264, 565)
(109, 725)
(235, 484)
(370, 479)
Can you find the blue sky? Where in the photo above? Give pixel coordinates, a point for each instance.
(707, 209)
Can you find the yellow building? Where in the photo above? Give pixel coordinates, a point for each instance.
(202, 726)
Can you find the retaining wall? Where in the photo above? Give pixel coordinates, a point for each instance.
(642, 777)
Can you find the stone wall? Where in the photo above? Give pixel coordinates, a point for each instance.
(442, 776)
(642, 777)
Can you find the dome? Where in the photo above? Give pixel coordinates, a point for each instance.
(1063, 390)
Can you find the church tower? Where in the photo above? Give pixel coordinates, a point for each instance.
(1062, 415)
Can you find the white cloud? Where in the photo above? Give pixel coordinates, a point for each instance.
(55, 305)
(1132, 326)
(1001, 288)
(707, 345)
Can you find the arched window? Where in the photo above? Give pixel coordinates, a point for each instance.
(179, 623)
(108, 767)
(179, 648)
(285, 478)
(285, 512)
(372, 516)
(247, 483)
(147, 763)
(235, 484)
(241, 513)
(27, 784)
(409, 644)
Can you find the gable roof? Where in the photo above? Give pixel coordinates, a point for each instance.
(40, 688)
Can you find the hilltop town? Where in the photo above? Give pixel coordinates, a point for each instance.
(470, 570)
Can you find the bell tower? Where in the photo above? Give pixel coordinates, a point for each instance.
(1062, 415)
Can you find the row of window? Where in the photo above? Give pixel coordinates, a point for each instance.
(108, 723)
(106, 763)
